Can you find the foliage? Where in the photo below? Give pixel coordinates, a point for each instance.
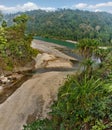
(69, 24)
(105, 67)
(3, 42)
(87, 47)
(4, 24)
(85, 101)
(15, 47)
(82, 105)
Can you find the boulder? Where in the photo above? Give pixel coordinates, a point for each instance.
(4, 79)
(42, 59)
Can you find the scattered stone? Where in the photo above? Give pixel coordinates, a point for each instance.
(4, 79)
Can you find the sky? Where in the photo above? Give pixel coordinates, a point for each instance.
(13, 6)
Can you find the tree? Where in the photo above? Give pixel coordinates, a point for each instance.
(4, 24)
(15, 47)
(87, 48)
(20, 24)
(1, 16)
(3, 42)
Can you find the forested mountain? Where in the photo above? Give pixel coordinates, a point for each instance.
(69, 24)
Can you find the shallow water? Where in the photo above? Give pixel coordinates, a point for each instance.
(58, 42)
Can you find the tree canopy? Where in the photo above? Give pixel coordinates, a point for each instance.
(15, 50)
(69, 24)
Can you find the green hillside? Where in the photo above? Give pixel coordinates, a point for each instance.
(69, 24)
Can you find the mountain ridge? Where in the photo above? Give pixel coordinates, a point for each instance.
(69, 24)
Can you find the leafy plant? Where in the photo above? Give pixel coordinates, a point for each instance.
(15, 47)
(81, 102)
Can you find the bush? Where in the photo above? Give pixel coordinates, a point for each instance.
(81, 102)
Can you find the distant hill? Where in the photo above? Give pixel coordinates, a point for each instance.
(69, 24)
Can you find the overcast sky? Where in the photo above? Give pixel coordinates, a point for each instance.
(12, 6)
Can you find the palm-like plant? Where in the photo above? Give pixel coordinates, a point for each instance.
(87, 46)
(105, 67)
(101, 53)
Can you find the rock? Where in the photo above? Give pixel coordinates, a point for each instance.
(49, 61)
(15, 76)
(4, 79)
(42, 59)
(34, 97)
(50, 48)
(59, 63)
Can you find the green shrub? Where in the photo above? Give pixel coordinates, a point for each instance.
(81, 102)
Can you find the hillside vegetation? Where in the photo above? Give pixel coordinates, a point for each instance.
(69, 24)
(15, 50)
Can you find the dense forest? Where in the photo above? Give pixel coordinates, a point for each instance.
(69, 24)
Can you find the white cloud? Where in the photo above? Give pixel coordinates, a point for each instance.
(25, 7)
(81, 5)
(107, 6)
(100, 5)
(48, 9)
(28, 6)
(98, 10)
(6, 9)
